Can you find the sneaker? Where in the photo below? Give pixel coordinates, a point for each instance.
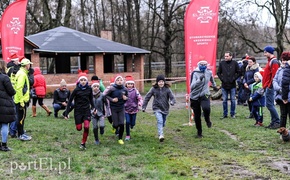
(224, 117)
(131, 127)
(5, 148)
(233, 117)
(273, 126)
(83, 147)
(24, 137)
(161, 138)
(120, 141)
(258, 124)
(199, 136)
(55, 115)
(209, 124)
(127, 138)
(27, 136)
(97, 142)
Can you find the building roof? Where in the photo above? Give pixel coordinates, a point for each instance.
(66, 40)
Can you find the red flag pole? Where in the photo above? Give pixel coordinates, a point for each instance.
(200, 26)
(12, 29)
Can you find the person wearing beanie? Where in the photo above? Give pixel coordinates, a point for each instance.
(60, 98)
(82, 96)
(257, 99)
(269, 49)
(96, 78)
(39, 88)
(200, 95)
(269, 72)
(228, 72)
(117, 94)
(97, 113)
(278, 84)
(248, 79)
(12, 67)
(163, 97)
(131, 106)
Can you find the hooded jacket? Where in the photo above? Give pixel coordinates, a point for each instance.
(39, 83)
(7, 106)
(22, 86)
(199, 86)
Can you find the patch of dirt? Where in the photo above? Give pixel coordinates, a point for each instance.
(281, 165)
(232, 136)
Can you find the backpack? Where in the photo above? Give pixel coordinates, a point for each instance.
(11, 72)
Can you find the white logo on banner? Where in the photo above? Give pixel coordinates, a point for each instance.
(15, 25)
(204, 15)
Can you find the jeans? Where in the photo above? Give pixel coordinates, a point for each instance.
(257, 112)
(13, 125)
(4, 132)
(161, 121)
(58, 107)
(225, 93)
(130, 122)
(271, 107)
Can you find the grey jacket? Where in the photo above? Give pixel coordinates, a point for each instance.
(199, 86)
(277, 83)
(162, 96)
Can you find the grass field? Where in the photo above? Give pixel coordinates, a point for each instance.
(231, 149)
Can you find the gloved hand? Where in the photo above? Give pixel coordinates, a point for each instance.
(171, 103)
(215, 88)
(22, 104)
(201, 77)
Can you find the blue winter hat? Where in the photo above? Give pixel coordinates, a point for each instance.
(269, 49)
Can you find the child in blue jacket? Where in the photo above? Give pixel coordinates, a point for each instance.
(257, 98)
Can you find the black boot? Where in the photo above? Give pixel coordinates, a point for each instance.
(4, 147)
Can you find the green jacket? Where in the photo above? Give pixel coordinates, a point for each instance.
(22, 86)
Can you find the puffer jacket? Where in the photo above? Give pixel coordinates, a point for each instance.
(22, 86)
(199, 87)
(249, 74)
(286, 83)
(277, 83)
(39, 83)
(257, 94)
(7, 106)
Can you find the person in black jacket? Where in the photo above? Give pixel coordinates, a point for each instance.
(286, 93)
(7, 106)
(228, 72)
(83, 98)
(60, 98)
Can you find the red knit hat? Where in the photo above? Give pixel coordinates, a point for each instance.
(117, 76)
(129, 79)
(14, 57)
(112, 80)
(95, 82)
(82, 75)
(21, 58)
